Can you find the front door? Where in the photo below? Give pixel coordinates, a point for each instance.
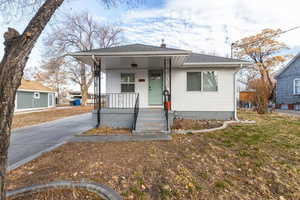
(155, 87)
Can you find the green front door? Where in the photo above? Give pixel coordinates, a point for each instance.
(155, 87)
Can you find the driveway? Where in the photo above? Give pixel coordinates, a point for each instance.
(28, 142)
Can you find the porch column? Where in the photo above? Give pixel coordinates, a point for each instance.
(170, 82)
(165, 74)
(97, 90)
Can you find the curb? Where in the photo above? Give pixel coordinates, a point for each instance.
(101, 190)
(225, 125)
(121, 138)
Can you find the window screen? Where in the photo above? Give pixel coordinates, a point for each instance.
(210, 81)
(193, 81)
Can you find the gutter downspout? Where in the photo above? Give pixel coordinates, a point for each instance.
(235, 95)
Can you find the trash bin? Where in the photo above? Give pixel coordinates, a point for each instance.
(76, 102)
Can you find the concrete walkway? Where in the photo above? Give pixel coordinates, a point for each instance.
(29, 142)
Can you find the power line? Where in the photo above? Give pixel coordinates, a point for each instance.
(280, 33)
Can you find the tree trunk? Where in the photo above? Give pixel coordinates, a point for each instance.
(262, 96)
(83, 86)
(17, 49)
(84, 94)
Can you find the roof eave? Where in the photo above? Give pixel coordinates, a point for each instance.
(216, 63)
(123, 54)
(33, 90)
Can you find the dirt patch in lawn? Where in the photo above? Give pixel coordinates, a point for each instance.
(59, 194)
(28, 119)
(241, 162)
(104, 130)
(189, 124)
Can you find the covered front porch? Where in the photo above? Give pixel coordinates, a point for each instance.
(135, 80)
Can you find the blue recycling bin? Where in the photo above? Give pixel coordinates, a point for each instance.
(76, 102)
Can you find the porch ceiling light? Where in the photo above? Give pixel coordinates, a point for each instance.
(134, 65)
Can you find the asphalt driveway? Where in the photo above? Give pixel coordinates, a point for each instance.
(28, 142)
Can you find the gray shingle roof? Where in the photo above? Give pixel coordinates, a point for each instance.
(203, 58)
(132, 48)
(191, 57)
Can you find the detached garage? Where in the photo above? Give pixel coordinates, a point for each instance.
(33, 95)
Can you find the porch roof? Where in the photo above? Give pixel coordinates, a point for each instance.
(137, 51)
(133, 50)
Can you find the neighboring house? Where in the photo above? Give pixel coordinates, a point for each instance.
(288, 85)
(32, 95)
(141, 79)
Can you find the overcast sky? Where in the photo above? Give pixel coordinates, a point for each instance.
(198, 25)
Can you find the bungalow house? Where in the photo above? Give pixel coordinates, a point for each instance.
(288, 85)
(148, 86)
(32, 95)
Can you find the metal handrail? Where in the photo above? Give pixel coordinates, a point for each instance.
(167, 118)
(136, 111)
(166, 99)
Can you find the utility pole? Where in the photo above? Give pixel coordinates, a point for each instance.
(231, 49)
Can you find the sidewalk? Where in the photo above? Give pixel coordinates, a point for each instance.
(295, 113)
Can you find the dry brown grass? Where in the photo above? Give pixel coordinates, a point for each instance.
(243, 162)
(104, 130)
(28, 119)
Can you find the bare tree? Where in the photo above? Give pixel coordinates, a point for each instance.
(17, 50)
(30, 72)
(81, 32)
(53, 74)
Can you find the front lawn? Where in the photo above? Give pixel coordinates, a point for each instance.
(244, 161)
(104, 130)
(28, 119)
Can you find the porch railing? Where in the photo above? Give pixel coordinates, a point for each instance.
(119, 100)
(128, 101)
(136, 111)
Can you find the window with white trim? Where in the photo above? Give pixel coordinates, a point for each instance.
(127, 82)
(210, 83)
(202, 81)
(297, 86)
(194, 80)
(36, 95)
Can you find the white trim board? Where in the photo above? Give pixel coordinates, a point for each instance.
(25, 90)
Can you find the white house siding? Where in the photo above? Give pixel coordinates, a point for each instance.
(113, 83)
(222, 100)
(182, 100)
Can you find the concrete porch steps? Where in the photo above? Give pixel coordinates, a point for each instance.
(150, 121)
